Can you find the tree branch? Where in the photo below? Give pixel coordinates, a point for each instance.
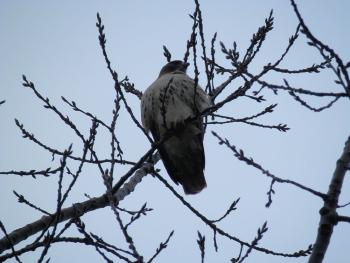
(328, 212)
(75, 211)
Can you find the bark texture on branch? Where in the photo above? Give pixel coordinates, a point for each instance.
(329, 216)
(76, 210)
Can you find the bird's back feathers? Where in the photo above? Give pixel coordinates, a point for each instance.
(175, 93)
(166, 105)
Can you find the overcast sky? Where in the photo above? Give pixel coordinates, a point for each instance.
(55, 44)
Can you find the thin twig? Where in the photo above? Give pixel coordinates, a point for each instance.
(218, 230)
(240, 156)
(162, 246)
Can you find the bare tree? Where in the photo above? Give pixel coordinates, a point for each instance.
(201, 52)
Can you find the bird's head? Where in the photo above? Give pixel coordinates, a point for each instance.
(175, 65)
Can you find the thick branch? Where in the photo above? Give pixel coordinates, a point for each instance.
(76, 210)
(328, 212)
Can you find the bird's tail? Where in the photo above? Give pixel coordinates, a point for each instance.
(184, 160)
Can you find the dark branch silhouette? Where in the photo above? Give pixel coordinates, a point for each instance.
(50, 227)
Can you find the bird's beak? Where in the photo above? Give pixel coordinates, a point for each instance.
(186, 64)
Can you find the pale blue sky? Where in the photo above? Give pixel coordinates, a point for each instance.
(55, 44)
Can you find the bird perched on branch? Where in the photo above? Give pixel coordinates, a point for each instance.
(173, 102)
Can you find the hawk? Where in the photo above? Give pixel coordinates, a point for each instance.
(172, 99)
